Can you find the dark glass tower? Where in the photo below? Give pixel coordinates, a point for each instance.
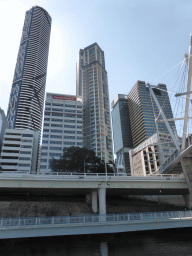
(26, 101)
(142, 108)
(92, 85)
(122, 136)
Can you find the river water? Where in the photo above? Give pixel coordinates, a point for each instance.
(177, 242)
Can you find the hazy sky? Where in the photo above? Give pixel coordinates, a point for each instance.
(141, 40)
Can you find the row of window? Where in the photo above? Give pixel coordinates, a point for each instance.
(61, 105)
(59, 114)
(60, 131)
(61, 120)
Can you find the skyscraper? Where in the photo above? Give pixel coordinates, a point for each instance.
(26, 101)
(92, 85)
(122, 136)
(142, 109)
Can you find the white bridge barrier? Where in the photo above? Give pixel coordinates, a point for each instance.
(92, 219)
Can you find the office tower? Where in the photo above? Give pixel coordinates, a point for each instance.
(62, 126)
(122, 136)
(3, 126)
(142, 108)
(26, 101)
(92, 85)
(19, 150)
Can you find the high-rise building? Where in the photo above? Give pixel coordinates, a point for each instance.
(122, 136)
(26, 101)
(92, 85)
(62, 126)
(19, 150)
(143, 110)
(3, 126)
(133, 119)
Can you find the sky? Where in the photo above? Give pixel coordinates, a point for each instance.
(142, 40)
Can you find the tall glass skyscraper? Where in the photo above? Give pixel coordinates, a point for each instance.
(122, 135)
(92, 85)
(26, 101)
(142, 110)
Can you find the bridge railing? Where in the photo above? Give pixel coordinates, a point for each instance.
(68, 175)
(92, 219)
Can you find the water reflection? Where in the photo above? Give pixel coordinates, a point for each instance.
(162, 242)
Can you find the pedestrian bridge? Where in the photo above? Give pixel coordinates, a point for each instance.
(92, 224)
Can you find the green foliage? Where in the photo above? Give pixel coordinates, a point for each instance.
(79, 160)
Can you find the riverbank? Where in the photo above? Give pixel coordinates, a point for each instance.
(78, 206)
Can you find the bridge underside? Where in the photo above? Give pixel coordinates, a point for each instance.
(36, 192)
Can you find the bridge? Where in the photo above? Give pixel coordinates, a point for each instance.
(92, 224)
(94, 184)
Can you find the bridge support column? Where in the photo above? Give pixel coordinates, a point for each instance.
(102, 200)
(94, 201)
(187, 199)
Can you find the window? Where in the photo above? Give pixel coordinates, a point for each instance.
(24, 158)
(69, 121)
(70, 110)
(55, 142)
(54, 154)
(44, 148)
(67, 131)
(44, 154)
(70, 106)
(79, 138)
(79, 132)
(25, 152)
(92, 51)
(45, 136)
(55, 148)
(69, 126)
(69, 143)
(58, 104)
(56, 131)
(69, 137)
(26, 140)
(79, 143)
(56, 120)
(43, 160)
(45, 130)
(56, 136)
(26, 146)
(27, 135)
(46, 119)
(57, 114)
(57, 109)
(43, 166)
(24, 165)
(56, 125)
(45, 142)
(69, 115)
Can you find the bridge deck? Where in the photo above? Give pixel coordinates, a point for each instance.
(92, 224)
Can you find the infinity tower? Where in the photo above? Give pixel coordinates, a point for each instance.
(26, 101)
(92, 85)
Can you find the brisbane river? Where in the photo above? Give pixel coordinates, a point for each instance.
(177, 242)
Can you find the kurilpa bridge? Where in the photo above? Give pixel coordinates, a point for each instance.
(98, 185)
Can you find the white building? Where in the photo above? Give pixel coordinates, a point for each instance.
(19, 150)
(148, 156)
(62, 126)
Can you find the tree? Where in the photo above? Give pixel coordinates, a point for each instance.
(80, 160)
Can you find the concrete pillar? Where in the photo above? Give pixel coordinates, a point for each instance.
(102, 200)
(104, 249)
(187, 200)
(94, 201)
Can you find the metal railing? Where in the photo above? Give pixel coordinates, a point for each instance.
(92, 219)
(68, 175)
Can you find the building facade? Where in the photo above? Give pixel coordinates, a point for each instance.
(3, 126)
(19, 150)
(26, 101)
(62, 126)
(143, 111)
(92, 85)
(122, 136)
